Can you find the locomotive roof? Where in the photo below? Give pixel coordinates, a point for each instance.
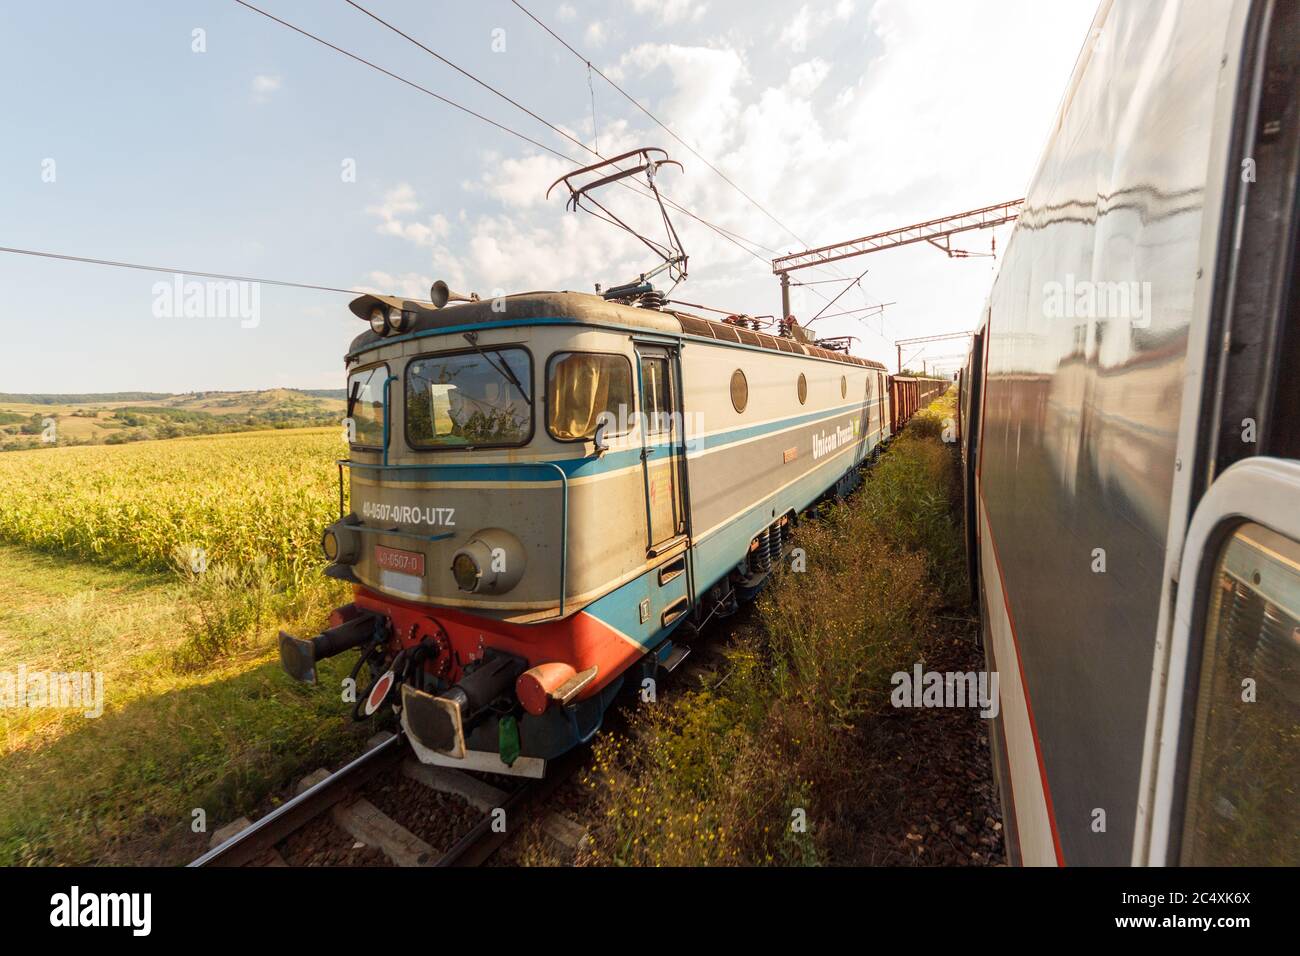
(581, 307)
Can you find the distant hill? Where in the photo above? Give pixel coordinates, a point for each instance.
(75, 399)
(93, 398)
(111, 418)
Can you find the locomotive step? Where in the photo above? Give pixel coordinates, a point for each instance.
(675, 658)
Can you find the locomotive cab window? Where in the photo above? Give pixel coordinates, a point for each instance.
(366, 406)
(583, 386)
(469, 399)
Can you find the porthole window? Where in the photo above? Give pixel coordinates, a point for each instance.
(803, 389)
(739, 391)
(844, 386)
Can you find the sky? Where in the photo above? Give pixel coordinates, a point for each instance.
(204, 137)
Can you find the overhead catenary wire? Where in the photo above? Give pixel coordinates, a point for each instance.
(874, 309)
(68, 257)
(400, 79)
(666, 128)
(729, 235)
(837, 297)
(208, 274)
(734, 237)
(118, 264)
(644, 109)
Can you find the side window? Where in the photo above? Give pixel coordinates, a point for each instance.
(366, 405)
(1243, 805)
(656, 395)
(583, 386)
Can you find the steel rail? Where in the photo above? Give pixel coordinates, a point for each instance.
(478, 845)
(265, 833)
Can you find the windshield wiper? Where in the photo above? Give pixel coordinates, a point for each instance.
(352, 398)
(504, 369)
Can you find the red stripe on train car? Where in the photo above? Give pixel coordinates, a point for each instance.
(1033, 725)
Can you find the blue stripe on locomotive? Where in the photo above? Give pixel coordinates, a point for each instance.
(715, 557)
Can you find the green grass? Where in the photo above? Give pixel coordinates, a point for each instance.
(174, 737)
(759, 763)
(97, 553)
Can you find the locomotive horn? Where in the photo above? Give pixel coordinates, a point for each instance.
(440, 295)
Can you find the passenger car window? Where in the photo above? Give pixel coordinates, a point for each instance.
(583, 386)
(1243, 806)
(469, 399)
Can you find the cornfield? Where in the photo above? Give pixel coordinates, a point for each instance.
(241, 499)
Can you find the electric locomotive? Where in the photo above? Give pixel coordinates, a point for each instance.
(546, 491)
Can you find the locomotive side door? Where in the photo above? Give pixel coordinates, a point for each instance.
(662, 444)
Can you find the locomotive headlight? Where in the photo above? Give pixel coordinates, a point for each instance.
(465, 570)
(379, 320)
(491, 562)
(400, 321)
(341, 542)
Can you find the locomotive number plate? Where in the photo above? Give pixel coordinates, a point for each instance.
(394, 559)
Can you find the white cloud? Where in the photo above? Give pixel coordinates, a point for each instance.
(668, 12)
(400, 202)
(806, 77)
(806, 24)
(705, 81)
(796, 31)
(595, 34)
(263, 86)
(522, 183)
(565, 11)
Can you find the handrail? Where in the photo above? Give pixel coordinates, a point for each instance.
(472, 465)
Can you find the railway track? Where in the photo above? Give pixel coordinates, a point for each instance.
(340, 798)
